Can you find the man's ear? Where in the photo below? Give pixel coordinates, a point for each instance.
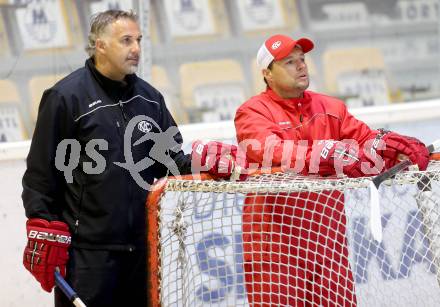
(100, 45)
(267, 74)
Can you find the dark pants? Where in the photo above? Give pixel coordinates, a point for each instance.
(106, 278)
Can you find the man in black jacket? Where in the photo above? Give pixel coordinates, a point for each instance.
(84, 193)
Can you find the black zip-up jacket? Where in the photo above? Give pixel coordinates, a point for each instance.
(105, 210)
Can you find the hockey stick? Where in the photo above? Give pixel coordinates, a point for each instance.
(67, 290)
(434, 147)
(375, 216)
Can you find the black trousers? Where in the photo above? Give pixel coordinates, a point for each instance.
(106, 278)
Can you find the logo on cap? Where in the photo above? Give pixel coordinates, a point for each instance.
(276, 45)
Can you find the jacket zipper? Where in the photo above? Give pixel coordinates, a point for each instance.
(76, 226)
(79, 210)
(121, 106)
(129, 205)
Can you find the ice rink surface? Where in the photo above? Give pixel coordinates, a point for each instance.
(18, 287)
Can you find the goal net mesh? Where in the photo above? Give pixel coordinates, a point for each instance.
(280, 239)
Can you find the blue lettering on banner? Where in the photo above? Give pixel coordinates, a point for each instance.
(214, 267)
(410, 255)
(238, 256)
(365, 248)
(207, 210)
(414, 251)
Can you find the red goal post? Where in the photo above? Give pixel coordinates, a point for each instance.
(195, 248)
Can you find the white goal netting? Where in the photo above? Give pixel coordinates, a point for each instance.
(279, 239)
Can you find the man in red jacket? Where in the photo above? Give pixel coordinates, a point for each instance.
(295, 250)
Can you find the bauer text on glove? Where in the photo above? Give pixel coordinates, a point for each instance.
(46, 250)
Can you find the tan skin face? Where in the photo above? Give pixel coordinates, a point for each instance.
(118, 49)
(289, 77)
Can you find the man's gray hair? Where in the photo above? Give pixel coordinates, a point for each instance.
(100, 21)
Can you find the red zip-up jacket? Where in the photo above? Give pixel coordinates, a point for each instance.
(314, 117)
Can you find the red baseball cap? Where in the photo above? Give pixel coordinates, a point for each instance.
(278, 46)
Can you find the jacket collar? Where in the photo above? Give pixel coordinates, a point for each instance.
(115, 89)
(289, 102)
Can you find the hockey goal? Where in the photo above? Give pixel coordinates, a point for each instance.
(208, 241)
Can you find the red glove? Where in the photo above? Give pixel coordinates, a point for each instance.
(365, 165)
(326, 155)
(411, 147)
(216, 158)
(335, 157)
(46, 250)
